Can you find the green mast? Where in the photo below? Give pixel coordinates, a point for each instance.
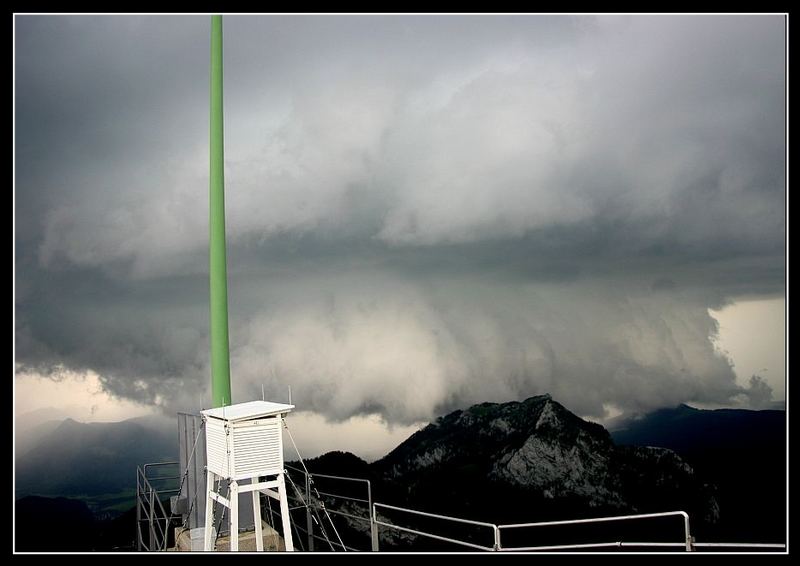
(218, 276)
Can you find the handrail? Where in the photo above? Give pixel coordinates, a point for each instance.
(311, 504)
(492, 526)
(336, 496)
(688, 542)
(741, 544)
(593, 520)
(148, 502)
(564, 546)
(710, 544)
(298, 470)
(426, 514)
(358, 517)
(621, 544)
(314, 474)
(339, 477)
(437, 537)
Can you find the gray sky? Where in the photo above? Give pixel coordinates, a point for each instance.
(423, 212)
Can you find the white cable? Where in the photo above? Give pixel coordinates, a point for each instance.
(316, 518)
(322, 503)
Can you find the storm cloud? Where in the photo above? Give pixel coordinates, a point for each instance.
(422, 212)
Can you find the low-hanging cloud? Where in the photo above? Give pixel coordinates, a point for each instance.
(368, 342)
(422, 212)
(371, 345)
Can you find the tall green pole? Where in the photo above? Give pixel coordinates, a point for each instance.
(218, 276)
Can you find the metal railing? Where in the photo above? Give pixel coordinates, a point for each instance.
(776, 546)
(687, 542)
(495, 531)
(151, 516)
(153, 519)
(313, 506)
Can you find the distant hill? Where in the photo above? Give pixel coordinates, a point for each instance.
(691, 431)
(337, 463)
(742, 451)
(548, 461)
(36, 417)
(30, 436)
(92, 458)
(528, 461)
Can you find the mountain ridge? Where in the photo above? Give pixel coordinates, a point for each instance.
(543, 453)
(743, 451)
(78, 458)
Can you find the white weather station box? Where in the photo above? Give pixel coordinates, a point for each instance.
(245, 440)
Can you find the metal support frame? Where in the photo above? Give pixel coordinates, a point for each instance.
(255, 487)
(150, 509)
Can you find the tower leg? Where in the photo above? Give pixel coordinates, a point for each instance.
(257, 518)
(287, 529)
(207, 542)
(233, 493)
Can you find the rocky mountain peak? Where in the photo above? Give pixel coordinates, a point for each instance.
(538, 447)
